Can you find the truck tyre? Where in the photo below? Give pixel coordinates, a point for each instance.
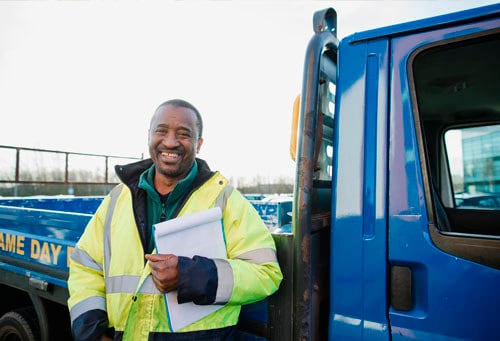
(19, 325)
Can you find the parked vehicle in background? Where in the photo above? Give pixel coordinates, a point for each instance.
(478, 201)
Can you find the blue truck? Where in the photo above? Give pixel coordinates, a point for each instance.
(394, 128)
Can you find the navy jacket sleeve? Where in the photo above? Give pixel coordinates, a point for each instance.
(197, 280)
(91, 325)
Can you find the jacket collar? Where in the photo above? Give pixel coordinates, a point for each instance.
(146, 182)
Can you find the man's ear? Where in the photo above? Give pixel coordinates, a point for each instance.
(200, 142)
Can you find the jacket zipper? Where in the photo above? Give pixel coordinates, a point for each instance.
(163, 216)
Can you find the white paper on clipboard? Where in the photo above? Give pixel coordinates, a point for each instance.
(199, 234)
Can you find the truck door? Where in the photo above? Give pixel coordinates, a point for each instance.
(444, 181)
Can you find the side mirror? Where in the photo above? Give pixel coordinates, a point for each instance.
(295, 124)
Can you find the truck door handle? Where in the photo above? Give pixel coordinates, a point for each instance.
(401, 288)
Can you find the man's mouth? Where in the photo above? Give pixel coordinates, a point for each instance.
(169, 157)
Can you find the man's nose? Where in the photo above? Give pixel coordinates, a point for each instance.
(170, 139)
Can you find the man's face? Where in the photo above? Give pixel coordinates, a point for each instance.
(173, 141)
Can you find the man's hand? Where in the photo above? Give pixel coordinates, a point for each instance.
(164, 271)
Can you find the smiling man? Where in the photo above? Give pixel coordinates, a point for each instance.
(117, 280)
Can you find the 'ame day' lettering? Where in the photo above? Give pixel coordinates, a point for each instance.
(42, 251)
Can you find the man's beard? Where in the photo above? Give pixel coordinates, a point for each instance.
(171, 173)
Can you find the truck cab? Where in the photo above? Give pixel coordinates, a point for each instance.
(396, 127)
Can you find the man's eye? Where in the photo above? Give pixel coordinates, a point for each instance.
(184, 134)
(161, 131)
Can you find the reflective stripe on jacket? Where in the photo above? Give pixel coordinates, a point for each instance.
(108, 272)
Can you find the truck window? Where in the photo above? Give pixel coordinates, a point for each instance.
(455, 88)
(474, 161)
(327, 106)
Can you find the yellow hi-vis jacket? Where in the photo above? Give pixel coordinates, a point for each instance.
(108, 272)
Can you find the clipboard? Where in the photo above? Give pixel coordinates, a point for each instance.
(199, 234)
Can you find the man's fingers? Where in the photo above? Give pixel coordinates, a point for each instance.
(154, 257)
(159, 257)
(163, 271)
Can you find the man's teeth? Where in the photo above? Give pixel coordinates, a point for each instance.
(168, 154)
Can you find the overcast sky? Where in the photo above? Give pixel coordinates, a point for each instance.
(86, 76)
